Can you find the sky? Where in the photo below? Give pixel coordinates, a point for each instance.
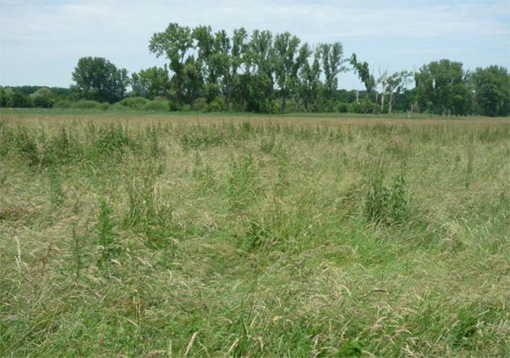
(42, 41)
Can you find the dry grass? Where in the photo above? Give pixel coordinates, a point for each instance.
(253, 237)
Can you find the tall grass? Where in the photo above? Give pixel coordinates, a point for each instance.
(251, 238)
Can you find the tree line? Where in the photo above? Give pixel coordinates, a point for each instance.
(264, 72)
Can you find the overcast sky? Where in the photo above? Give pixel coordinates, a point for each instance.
(41, 41)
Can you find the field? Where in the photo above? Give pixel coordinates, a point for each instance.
(218, 236)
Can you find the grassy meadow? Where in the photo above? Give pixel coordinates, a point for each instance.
(217, 236)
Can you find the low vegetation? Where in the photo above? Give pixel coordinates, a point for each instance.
(244, 237)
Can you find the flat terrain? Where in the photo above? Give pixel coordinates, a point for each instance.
(135, 235)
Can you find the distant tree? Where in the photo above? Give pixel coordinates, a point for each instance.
(20, 100)
(332, 65)
(208, 51)
(438, 83)
(175, 42)
(98, 79)
(299, 78)
(44, 98)
(310, 82)
(492, 90)
(286, 67)
(193, 79)
(395, 83)
(232, 62)
(363, 71)
(151, 82)
(6, 94)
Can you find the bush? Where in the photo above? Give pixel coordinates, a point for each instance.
(343, 108)
(200, 104)
(104, 106)
(117, 107)
(20, 100)
(271, 107)
(174, 107)
(156, 106)
(218, 105)
(43, 98)
(357, 108)
(63, 103)
(86, 104)
(134, 102)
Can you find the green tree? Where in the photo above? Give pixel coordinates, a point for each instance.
(20, 100)
(310, 82)
(232, 62)
(286, 49)
(363, 71)
(174, 43)
(151, 82)
(98, 79)
(332, 65)
(438, 83)
(43, 97)
(492, 90)
(395, 83)
(6, 94)
(193, 79)
(298, 77)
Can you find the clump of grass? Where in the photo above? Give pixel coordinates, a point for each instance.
(106, 235)
(386, 204)
(56, 190)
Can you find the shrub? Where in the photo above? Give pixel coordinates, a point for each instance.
(218, 105)
(271, 107)
(117, 107)
(43, 97)
(134, 102)
(63, 103)
(186, 108)
(156, 106)
(104, 106)
(200, 104)
(343, 108)
(86, 104)
(386, 205)
(174, 107)
(357, 108)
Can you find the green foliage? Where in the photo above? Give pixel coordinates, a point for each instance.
(106, 236)
(85, 104)
(151, 83)
(19, 100)
(200, 104)
(98, 79)
(134, 102)
(63, 103)
(157, 106)
(43, 97)
(492, 90)
(386, 205)
(343, 108)
(218, 105)
(443, 88)
(363, 71)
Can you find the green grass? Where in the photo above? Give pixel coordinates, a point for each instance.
(163, 237)
(140, 113)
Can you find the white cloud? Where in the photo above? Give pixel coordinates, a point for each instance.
(35, 35)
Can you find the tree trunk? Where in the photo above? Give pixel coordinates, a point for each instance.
(390, 103)
(357, 97)
(382, 102)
